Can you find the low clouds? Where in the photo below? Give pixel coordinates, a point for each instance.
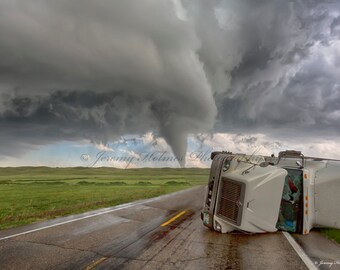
(96, 70)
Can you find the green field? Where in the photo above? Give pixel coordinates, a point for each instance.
(30, 194)
(332, 234)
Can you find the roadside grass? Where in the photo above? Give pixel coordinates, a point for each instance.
(31, 194)
(332, 234)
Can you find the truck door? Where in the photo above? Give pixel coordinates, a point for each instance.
(291, 209)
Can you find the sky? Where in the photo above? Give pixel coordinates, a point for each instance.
(89, 83)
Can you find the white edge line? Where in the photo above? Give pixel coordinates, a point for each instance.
(308, 262)
(96, 214)
(64, 222)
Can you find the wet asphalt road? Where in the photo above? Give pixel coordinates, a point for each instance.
(143, 235)
(325, 254)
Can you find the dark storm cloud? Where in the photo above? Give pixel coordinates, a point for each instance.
(288, 77)
(72, 70)
(84, 69)
(75, 115)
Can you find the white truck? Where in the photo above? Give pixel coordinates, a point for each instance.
(259, 194)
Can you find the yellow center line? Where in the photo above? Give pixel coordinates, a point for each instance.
(94, 264)
(173, 219)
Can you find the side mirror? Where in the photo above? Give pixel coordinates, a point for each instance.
(299, 164)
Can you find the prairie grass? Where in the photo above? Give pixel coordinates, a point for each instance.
(31, 194)
(332, 234)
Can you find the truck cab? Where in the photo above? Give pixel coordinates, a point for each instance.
(260, 194)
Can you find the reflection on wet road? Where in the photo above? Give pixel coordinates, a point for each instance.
(163, 233)
(186, 244)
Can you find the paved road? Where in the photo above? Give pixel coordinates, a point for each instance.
(325, 254)
(161, 233)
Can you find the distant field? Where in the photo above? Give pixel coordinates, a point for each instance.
(29, 194)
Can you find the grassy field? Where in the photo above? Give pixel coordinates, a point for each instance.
(332, 234)
(30, 194)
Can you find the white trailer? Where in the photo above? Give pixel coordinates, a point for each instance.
(259, 194)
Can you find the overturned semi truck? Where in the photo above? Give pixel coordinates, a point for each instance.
(260, 194)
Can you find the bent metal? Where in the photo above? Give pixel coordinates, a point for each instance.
(259, 194)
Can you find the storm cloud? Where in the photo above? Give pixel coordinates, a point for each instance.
(288, 79)
(84, 69)
(80, 69)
